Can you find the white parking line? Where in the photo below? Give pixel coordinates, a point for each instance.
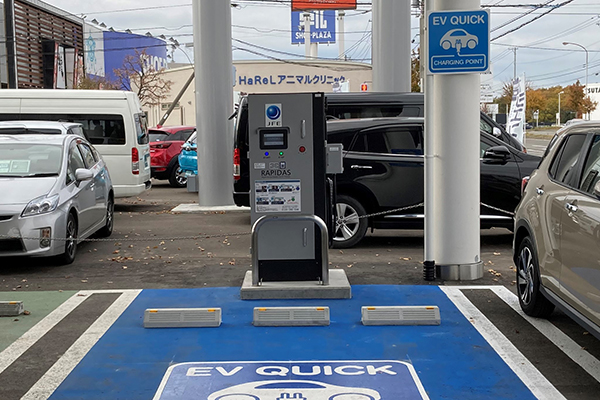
(29, 338)
(48, 383)
(575, 352)
(522, 367)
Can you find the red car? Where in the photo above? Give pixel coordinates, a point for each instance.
(165, 146)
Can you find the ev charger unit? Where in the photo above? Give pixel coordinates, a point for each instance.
(291, 193)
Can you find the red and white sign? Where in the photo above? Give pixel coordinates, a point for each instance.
(302, 5)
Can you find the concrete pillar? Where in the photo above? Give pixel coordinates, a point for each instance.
(214, 100)
(391, 45)
(452, 193)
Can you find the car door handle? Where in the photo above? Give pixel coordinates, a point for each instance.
(361, 167)
(539, 191)
(571, 207)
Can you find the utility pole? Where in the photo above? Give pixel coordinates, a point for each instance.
(514, 49)
(306, 16)
(341, 43)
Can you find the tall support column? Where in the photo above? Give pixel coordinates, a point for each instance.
(214, 100)
(452, 195)
(341, 35)
(391, 45)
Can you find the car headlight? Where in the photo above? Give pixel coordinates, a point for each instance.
(41, 205)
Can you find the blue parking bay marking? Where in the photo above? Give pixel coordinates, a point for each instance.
(451, 361)
(314, 380)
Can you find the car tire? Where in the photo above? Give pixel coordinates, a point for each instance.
(531, 299)
(107, 229)
(349, 228)
(177, 177)
(71, 241)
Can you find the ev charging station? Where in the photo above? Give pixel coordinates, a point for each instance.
(291, 198)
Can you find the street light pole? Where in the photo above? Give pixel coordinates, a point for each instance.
(559, 93)
(587, 115)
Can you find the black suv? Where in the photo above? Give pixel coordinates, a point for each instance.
(384, 171)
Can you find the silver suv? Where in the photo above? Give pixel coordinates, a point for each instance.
(557, 229)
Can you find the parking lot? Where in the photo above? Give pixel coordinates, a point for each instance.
(199, 259)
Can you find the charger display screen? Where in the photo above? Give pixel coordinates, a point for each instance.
(274, 139)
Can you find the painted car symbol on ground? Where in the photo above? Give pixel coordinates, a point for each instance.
(458, 38)
(300, 390)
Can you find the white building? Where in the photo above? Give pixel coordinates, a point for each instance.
(593, 90)
(268, 76)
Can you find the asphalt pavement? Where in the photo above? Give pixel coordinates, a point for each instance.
(144, 252)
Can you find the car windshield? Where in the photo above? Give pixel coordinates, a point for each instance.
(29, 131)
(29, 160)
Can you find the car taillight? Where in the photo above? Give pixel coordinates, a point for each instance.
(524, 183)
(135, 161)
(236, 164)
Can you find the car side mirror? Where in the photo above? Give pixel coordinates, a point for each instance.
(496, 131)
(496, 155)
(82, 174)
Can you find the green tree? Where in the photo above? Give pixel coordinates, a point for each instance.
(415, 72)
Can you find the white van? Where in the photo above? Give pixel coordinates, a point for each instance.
(112, 120)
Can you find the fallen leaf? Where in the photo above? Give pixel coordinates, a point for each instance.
(124, 266)
(116, 252)
(26, 312)
(406, 258)
(496, 253)
(84, 281)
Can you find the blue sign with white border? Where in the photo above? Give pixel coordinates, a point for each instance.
(458, 42)
(302, 380)
(322, 27)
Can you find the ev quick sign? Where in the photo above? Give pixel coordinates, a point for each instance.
(459, 42)
(300, 380)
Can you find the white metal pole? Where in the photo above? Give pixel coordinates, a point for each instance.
(429, 139)
(306, 16)
(341, 34)
(214, 100)
(454, 227)
(391, 45)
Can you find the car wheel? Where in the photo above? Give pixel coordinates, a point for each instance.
(106, 231)
(349, 228)
(70, 241)
(532, 301)
(177, 177)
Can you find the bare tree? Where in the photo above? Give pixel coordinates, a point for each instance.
(139, 75)
(91, 82)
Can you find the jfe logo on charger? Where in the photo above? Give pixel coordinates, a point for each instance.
(273, 115)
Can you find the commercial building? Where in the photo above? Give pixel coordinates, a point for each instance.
(265, 76)
(593, 90)
(48, 46)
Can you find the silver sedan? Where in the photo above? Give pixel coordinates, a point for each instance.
(55, 191)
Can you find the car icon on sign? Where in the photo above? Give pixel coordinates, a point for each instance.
(458, 38)
(300, 390)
